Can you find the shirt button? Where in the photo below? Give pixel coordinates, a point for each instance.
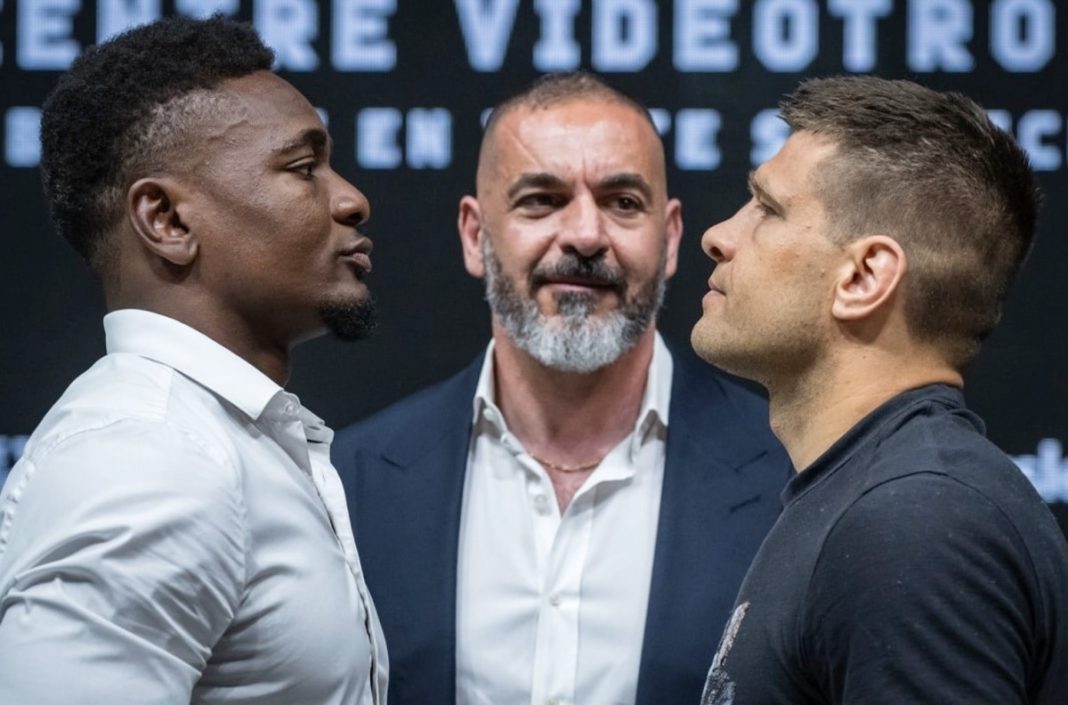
(554, 600)
(290, 408)
(540, 500)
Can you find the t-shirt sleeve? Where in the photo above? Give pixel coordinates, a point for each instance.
(121, 564)
(923, 593)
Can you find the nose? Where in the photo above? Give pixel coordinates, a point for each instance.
(582, 228)
(348, 205)
(719, 241)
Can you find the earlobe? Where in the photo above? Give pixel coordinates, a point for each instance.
(469, 223)
(869, 278)
(153, 208)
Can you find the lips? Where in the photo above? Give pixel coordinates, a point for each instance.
(585, 282)
(573, 271)
(358, 254)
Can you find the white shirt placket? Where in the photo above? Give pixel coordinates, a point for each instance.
(561, 544)
(307, 441)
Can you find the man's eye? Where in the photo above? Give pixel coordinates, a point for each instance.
(305, 169)
(764, 209)
(628, 203)
(539, 200)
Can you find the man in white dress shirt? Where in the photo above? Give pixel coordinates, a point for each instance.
(567, 520)
(175, 532)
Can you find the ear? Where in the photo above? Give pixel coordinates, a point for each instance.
(869, 277)
(469, 223)
(153, 205)
(673, 234)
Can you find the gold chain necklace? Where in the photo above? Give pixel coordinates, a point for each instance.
(566, 468)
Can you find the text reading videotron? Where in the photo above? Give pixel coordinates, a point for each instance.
(784, 35)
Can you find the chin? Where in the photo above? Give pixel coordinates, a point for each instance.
(353, 319)
(701, 339)
(737, 361)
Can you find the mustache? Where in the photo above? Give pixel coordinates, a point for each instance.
(587, 270)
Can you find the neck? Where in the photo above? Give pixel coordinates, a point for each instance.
(231, 332)
(135, 278)
(569, 418)
(813, 410)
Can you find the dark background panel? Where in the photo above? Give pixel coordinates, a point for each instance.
(433, 316)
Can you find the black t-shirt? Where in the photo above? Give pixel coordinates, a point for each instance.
(912, 563)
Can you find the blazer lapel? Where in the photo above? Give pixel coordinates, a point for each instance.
(416, 510)
(704, 543)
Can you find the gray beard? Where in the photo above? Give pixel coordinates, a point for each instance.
(574, 340)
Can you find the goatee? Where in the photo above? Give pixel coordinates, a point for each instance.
(350, 321)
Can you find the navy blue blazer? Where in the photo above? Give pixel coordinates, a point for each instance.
(404, 469)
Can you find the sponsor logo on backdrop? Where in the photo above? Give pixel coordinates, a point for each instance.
(1047, 470)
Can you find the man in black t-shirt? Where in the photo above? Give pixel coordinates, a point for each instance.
(913, 563)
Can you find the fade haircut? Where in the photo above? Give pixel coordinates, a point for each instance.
(130, 107)
(932, 171)
(555, 88)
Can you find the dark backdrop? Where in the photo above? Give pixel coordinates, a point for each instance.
(403, 85)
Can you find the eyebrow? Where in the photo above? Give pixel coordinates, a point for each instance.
(615, 181)
(758, 190)
(631, 181)
(314, 137)
(539, 179)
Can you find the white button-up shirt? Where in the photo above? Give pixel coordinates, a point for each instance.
(551, 607)
(175, 533)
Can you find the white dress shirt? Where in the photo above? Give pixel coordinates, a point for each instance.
(551, 607)
(175, 533)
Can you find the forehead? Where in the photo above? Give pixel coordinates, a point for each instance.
(792, 173)
(263, 113)
(581, 138)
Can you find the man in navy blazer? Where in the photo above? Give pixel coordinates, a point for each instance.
(568, 519)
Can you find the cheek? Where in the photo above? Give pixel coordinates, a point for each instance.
(640, 254)
(519, 254)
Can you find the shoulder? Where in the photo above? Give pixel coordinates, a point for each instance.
(428, 410)
(912, 516)
(919, 544)
(124, 391)
(116, 439)
(935, 506)
(952, 509)
(120, 468)
(941, 448)
(924, 575)
(137, 492)
(125, 524)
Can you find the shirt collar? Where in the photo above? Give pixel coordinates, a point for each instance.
(656, 400)
(876, 426)
(195, 355)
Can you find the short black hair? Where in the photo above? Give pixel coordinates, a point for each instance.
(111, 114)
(931, 170)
